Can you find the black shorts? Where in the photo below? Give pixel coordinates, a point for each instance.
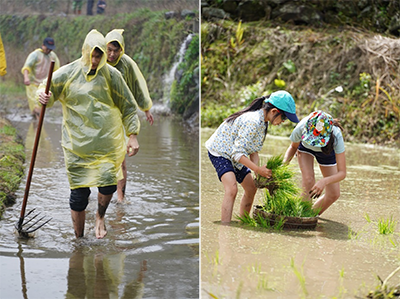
(322, 159)
(79, 198)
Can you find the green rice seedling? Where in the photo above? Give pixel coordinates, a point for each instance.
(217, 259)
(300, 276)
(254, 222)
(366, 216)
(353, 234)
(285, 203)
(263, 283)
(386, 226)
(246, 219)
(274, 162)
(279, 224)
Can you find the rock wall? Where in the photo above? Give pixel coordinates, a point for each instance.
(382, 16)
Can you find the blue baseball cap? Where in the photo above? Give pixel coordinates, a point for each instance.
(49, 43)
(282, 100)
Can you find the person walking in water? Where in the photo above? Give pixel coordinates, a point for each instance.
(137, 84)
(98, 109)
(36, 69)
(234, 146)
(319, 136)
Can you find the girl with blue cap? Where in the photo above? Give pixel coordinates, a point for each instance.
(234, 146)
(319, 136)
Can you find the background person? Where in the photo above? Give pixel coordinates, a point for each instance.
(77, 7)
(234, 146)
(101, 7)
(137, 84)
(36, 69)
(3, 62)
(98, 109)
(319, 136)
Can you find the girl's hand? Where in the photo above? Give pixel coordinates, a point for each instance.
(317, 189)
(264, 171)
(44, 98)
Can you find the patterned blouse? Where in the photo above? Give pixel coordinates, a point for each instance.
(243, 137)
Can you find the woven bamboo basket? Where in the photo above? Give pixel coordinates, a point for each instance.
(290, 222)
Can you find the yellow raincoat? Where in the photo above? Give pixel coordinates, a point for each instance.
(3, 63)
(38, 64)
(96, 109)
(131, 72)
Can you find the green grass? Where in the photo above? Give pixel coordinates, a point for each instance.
(386, 226)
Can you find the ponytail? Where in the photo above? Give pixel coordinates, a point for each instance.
(328, 149)
(257, 104)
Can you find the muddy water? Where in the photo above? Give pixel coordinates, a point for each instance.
(341, 257)
(151, 250)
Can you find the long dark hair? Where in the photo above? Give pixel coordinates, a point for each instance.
(257, 104)
(327, 149)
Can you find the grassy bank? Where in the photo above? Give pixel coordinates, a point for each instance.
(12, 157)
(347, 72)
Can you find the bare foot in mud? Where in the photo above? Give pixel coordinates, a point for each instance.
(101, 230)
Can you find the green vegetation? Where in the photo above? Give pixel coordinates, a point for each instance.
(347, 73)
(185, 92)
(12, 157)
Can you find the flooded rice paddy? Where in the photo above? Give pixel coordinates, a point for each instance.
(341, 258)
(152, 246)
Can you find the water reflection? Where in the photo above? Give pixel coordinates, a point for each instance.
(98, 275)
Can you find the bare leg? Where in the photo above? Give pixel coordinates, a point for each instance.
(306, 164)
(332, 191)
(36, 112)
(78, 220)
(122, 183)
(103, 202)
(229, 181)
(248, 196)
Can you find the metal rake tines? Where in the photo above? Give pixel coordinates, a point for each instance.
(21, 225)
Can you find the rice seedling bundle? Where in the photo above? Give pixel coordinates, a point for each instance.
(282, 195)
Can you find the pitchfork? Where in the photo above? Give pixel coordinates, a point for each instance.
(32, 220)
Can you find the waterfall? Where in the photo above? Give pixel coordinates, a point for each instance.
(163, 106)
(170, 76)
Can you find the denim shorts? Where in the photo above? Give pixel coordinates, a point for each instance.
(322, 159)
(223, 165)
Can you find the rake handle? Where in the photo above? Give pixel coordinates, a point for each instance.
(35, 147)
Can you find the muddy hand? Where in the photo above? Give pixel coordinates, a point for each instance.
(314, 194)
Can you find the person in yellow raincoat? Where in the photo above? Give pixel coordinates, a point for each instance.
(36, 69)
(3, 63)
(98, 109)
(134, 78)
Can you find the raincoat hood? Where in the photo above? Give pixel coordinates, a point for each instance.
(93, 39)
(116, 36)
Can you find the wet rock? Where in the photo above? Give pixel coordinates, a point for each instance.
(188, 13)
(170, 15)
(214, 13)
(251, 11)
(230, 6)
(299, 14)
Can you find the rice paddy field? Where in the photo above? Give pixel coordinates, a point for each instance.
(355, 241)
